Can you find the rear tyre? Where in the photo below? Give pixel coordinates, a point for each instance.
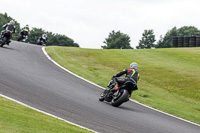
(121, 99)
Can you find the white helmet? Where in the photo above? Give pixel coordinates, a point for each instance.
(45, 35)
(12, 22)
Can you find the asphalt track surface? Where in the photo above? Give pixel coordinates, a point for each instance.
(28, 76)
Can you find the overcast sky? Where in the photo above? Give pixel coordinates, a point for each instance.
(89, 22)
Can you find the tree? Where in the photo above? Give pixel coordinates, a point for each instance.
(188, 31)
(148, 39)
(53, 39)
(160, 42)
(166, 41)
(117, 40)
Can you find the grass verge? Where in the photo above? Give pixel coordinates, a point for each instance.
(170, 78)
(15, 118)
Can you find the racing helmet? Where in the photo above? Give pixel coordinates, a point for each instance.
(44, 35)
(134, 65)
(12, 22)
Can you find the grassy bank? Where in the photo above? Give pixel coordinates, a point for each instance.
(169, 78)
(15, 118)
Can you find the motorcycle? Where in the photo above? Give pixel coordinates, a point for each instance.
(41, 41)
(22, 36)
(5, 37)
(117, 94)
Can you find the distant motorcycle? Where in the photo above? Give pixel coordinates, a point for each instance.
(117, 95)
(41, 41)
(22, 35)
(5, 38)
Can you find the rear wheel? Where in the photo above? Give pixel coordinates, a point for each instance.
(122, 97)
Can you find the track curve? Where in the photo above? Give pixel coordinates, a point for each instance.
(28, 76)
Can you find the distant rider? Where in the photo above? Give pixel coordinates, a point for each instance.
(42, 38)
(25, 30)
(9, 27)
(132, 75)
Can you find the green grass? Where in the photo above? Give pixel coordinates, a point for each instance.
(15, 118)
(169, 78)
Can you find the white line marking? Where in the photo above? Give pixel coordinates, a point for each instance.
(165, 113)
(46, 113)
(43, 49)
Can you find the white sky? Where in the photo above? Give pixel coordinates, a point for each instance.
(89, 22)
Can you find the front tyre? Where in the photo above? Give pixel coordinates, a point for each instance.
(20, 38)
(102, 96)
(123, 97)
(4, 41)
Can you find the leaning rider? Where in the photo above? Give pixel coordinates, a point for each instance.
(10, 27)
(132, 75)
(43, 37)
(25, 30)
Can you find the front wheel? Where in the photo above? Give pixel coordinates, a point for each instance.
(3, 42)
(20, 38)
(123, 97)
(102, 96)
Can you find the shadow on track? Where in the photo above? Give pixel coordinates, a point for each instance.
(9, 48)
(123, 107)
(129, 109)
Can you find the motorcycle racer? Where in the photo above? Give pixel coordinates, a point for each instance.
(132, 75)
(24, 33)
(42, 39)
(25, 30)
(8, 27)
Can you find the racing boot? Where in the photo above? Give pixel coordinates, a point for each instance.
(8, 42)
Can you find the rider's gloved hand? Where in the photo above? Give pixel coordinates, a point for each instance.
(114, 76)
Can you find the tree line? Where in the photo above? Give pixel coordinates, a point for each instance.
(118, 40)
(115, 40)
(35, 33)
